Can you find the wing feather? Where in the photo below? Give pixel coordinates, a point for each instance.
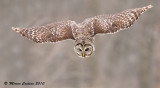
(117, 22)
(49, 33)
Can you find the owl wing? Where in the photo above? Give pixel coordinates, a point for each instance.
(116, 22)
(49, 33)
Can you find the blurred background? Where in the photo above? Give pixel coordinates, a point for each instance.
(127, 59)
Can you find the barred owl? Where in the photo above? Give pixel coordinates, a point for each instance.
(83, 33)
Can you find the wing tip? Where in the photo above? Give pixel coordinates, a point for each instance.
(143, 9)
(149, 6)
(16, 29)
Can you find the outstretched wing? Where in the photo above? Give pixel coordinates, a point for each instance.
(116, 22)
(49, 33)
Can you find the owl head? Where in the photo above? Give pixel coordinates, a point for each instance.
(84, 47)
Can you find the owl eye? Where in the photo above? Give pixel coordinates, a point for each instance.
(79, 49)
(86, 49)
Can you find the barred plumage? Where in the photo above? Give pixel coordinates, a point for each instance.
(50, 33)
(116, 22)
(83, 32)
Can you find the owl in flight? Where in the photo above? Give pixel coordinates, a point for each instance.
(83, 33)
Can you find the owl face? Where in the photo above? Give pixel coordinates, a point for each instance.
(83, 48)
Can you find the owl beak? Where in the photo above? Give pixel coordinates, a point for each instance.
(83, 54)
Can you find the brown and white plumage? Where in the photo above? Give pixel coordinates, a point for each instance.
(116, 22)
(83, 32)
(49, 33)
